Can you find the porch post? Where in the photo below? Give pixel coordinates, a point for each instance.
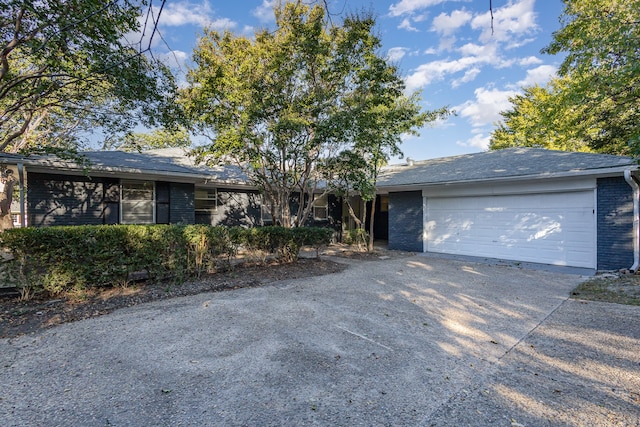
(21, 188)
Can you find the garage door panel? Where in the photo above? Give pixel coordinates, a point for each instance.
(555, 228)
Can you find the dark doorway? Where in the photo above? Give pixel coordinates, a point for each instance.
(380, 218)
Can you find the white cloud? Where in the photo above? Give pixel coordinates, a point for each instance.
(419, 18)
(514, 44)
(200, 14)
(396, 53)
(185, 13)
(264, 12)
(447, 43)
(479, 140)
(531, 60)
(223, 24)
(177, 61)
(406, 25)
(469, 76)
(513, 25)
(174, 59)
(409, 6)
(487, 106)
(248, 30)
(473, 57)
(515, 19)
(538, 76)
(448, 24)
(486, 51)
(485, 54)
(433, 71)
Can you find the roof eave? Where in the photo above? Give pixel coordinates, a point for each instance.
(600, 173)
(108, 171)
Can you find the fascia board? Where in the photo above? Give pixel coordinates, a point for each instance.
(129, 173)
(594, 173)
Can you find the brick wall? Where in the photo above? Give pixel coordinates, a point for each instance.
(405, 221)
(236, 208)
(64, 200)
(615, 224)
(78, 200)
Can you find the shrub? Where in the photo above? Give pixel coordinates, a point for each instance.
(256, 241)
(356, 236)
(55, 259)
(206, 245)
(61, 258)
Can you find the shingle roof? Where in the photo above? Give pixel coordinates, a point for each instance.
(511, 163)
(501, 164)
(168, 160)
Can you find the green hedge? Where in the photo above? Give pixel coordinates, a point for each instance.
(57, 259)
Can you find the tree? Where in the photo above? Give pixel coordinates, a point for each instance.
(602, 41)
(595, 102)
(348, 177)
(540, 118)
(283, 105)
(65, 67)
(158, 138)
(384, 115)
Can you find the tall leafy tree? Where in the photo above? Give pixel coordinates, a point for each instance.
(284, 104)
(384, 116)
(67, 67)
(594, 104)
(540, 118)
(601, 39)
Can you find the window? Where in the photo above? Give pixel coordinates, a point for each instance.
(137, 201)
(320, 207)
(265, 212)
(206, 199)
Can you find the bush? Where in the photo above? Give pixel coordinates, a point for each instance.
(206, 245)
(357, 236)
(57, 259)
(284, 242)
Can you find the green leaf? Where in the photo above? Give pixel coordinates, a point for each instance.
(283, 105)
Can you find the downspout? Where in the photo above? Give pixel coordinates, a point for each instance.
(21, 187)
(636, 213)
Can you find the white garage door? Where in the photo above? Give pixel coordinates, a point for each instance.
(552, 228)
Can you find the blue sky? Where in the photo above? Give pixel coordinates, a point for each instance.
(445, 49)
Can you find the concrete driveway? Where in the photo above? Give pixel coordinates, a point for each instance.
(409, 341)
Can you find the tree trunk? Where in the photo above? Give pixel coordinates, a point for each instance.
(362, 225)
(285, 212)
(372, 214)
(352, 214)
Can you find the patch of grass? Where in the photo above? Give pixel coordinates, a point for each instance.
(618, 290)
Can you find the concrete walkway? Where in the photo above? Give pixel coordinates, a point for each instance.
(409, 341)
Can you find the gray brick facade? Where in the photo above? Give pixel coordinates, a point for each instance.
(80, 200)
(235, 208)
(405, 221)
(615, 224)
(65, 200)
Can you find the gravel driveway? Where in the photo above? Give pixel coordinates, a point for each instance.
(408, 341)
